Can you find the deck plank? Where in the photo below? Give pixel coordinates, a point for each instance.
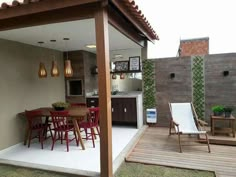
(156, 147)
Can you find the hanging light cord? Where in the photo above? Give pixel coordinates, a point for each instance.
(66, 47)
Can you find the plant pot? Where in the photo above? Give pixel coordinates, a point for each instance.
(59, 108)
(227, 114)
(217, 113)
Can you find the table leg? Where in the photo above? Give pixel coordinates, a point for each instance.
(75, 123)
(213, 127)
(233, 128)
(26, 135)
(45, 129)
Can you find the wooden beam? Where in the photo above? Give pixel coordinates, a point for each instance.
(41, 6)
(102, 42)
(124, 27)
(54, 16)
(144, 56)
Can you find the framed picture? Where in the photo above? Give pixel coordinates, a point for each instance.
(121, 65)
(134, 63)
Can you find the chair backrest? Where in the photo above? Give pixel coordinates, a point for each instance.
(34, 118)
(60, 119)
(182, 114)
(94, 115)
(79, 104)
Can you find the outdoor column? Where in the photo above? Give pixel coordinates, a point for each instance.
(144, 56)
(102, 42)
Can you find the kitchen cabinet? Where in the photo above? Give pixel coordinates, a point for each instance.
(92, 102)
(124, 110)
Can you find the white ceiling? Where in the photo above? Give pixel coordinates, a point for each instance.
(80, 32)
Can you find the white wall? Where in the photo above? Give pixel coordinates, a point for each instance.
(21, 89)
(127, 84)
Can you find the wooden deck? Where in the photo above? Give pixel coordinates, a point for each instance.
(156, 147)
(222, 139)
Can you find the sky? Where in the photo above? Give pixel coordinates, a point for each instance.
(174, 20)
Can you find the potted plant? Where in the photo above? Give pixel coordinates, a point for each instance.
(59, 106)
(217, 110)
(228, 110)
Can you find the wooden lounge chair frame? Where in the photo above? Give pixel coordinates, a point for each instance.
(198, 123)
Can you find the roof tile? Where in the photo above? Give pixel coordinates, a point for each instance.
(137, 13)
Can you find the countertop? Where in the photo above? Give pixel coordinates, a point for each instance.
(130, 94)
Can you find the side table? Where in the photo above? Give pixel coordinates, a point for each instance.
(230, 129)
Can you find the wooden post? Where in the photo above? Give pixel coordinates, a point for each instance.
(102, 42)
(144, 56)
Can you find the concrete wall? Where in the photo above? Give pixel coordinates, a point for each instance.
(82, 62)
(177, 89)
(21, 89)
(90, 80)
(219, 89)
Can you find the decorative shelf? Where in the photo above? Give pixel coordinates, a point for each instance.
(117, 72)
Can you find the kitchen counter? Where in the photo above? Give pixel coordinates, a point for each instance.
(130, 94)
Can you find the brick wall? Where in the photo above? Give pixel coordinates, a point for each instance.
(192, 47)
(219, 89)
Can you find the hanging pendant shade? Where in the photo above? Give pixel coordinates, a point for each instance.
(54, 70)
(68, 69)
(42, 71)
(113, 76)
(122, 76)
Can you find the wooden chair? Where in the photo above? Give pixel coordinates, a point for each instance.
(62, 127)
(91, 123)
(185, 121)
(36, 126)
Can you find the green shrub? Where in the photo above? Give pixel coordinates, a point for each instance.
(217, 108)
(228, 109)
(60, 104)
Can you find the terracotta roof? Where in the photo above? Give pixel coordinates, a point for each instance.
(14, 3)
(132, 8)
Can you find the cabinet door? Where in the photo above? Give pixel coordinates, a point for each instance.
(130, 110)
(117, 110)
(92, 102)
(124, 110)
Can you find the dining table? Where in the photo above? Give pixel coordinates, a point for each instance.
(76, 114)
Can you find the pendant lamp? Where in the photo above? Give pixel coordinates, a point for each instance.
(68, 71)
(54, 69)
(122, 76)
(42, 72)
(113, 76)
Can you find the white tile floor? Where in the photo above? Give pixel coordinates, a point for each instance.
(74, 161)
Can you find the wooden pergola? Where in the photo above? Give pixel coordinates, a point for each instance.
(122, 14)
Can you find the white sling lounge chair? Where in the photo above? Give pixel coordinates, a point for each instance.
(185, 121)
